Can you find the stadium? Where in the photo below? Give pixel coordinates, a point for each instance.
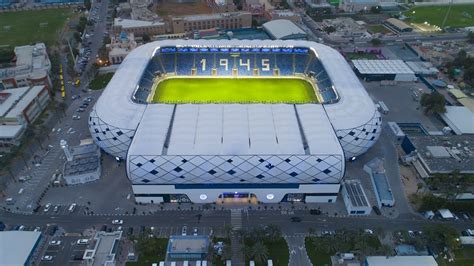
(228, 121)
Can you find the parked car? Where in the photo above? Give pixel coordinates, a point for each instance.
(184, 230)
(47, 207)
(315, 212)
(76, 117)
(55, 242)
(47, 258)
(376, 210)
(83, 241)
(117, 221)
(296, 219)
(195, 231)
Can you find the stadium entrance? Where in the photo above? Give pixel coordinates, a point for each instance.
(237, 198)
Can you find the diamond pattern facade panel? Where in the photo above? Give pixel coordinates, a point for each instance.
(198, 169)
(357, 141)
(113, 140)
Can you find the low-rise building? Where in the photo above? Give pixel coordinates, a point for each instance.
(104, 250)
(282, 29)
(376, 70)
(30, 67)
(383, 192)
(444, 154)
(357, 5)
(18, 247)
(355, 199)
(256, 8)
(400, 260)
(187, 248)
(226, 21)
(120, 46)
(18, 108)
(283, 14)
(138, 27)
(345, 29)
(397, 25)
(82, 164)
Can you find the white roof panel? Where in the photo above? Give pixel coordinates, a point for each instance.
(460, 119)
(318, 131)
(235, 130)
(282, 28)
(382, 67)
(228, 129)
(153, 129)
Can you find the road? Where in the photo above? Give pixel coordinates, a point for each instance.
(78, 223)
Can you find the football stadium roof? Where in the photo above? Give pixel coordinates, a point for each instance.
(116, 107)
(235, 129)
(220, 128)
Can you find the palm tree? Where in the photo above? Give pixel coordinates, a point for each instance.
(247, 251)
(259, 252)
(226, 252)
(273, 232)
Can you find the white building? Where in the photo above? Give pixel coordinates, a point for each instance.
(235, 150)
(460, 119)
(383, 192)
(31, 68)
(357, 5)
(373, 70)
(18, 247)
(283, 29)
(104, 250)
(18, 108)
(354, 198)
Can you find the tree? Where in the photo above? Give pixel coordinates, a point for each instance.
(272, 232)
(87, 4)
(375, 42)
(259, 252)
(419, 186)
(329, 29)
(375, 9)
(247, 251)
(470, 37)
(146, 38)
(226, 252)
(440, 236)
(433, 103)
(385, 250)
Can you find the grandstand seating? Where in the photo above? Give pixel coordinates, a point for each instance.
(182, 61)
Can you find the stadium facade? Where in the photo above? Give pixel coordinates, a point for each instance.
(206, 152)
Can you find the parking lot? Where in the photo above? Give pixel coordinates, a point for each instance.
(403, 108)
(67, 252)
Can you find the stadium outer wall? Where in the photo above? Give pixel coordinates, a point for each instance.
(354, 118)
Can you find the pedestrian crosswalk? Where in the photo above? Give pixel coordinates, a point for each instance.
(236, 219)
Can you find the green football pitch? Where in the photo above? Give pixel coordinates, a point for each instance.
(234, 90)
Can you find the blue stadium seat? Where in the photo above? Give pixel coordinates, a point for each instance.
(265, 64)
(185, 63)
(224, 64)
(204, 62)
(301, 62)
(285, 64)
(168, 61)
(245, 64)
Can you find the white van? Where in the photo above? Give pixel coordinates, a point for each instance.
(21, 191)
(72, 207)
(10, 201)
